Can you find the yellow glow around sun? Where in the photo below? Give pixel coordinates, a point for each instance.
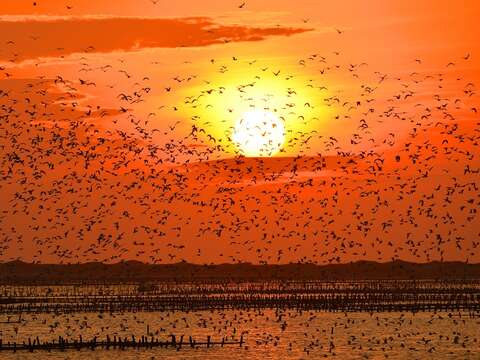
(237, 93)
(258, 133)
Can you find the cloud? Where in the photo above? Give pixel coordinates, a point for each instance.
(46, 102)
(32, 38)
(245, 171)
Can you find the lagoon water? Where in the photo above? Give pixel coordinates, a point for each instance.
(268, 334)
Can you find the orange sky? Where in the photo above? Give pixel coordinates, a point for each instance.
(116, 123)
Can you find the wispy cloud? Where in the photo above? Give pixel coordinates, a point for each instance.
(40, 37)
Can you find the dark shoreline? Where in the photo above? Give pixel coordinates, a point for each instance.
(21, 273)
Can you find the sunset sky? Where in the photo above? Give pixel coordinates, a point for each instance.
(121, 131)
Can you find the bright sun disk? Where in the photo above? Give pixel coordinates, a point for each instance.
(259, 133)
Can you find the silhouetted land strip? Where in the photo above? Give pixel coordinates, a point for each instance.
(18, 273)
(114, 342)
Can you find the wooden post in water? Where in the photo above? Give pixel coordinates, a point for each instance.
(208, 341)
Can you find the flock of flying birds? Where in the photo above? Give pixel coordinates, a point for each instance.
(84, 182)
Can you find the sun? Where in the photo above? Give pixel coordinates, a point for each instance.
(258, 133)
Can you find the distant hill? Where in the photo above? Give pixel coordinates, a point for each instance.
(18, 272)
